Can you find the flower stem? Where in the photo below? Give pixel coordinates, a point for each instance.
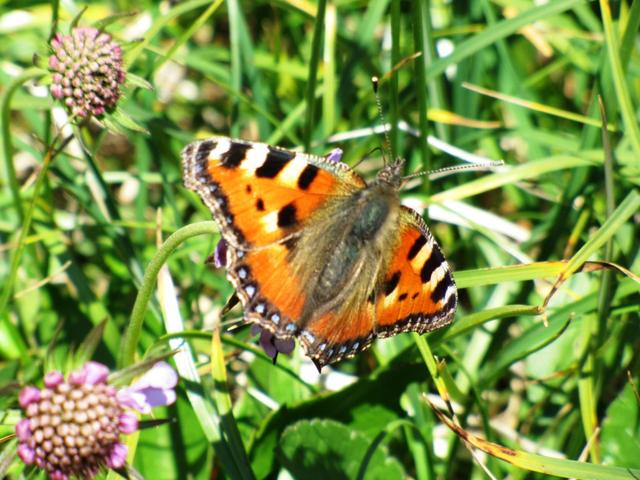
(5, 296)
(132, 335)
(6, 147)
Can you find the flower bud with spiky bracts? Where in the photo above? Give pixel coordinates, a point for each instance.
(87, 71)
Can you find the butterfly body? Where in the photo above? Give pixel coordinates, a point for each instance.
(315, 252)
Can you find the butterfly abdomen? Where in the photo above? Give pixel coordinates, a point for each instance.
(366, 221)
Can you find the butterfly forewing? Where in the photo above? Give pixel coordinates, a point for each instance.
(261, 194)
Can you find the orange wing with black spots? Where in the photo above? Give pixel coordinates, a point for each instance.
(261, 194)
(417, 292)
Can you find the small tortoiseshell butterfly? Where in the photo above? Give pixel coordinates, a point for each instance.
(317, 253)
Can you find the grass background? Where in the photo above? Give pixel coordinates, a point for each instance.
(504, 80)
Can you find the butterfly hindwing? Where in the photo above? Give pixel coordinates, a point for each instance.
(414, 291)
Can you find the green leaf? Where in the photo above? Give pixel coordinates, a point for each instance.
(621, 431)
(138, 81)
(120, 117)
(328, 449)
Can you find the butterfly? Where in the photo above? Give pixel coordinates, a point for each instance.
(317, 253)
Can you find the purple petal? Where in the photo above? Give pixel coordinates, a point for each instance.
(220, 254)
(26, 453)
(96, 373)
(132, 399)
(157, 397)
(29, 395)
(23, 432)
(118, 456)
(161, 375)
(128, 423)
(267, 345)
(53, 379)
(335, 155)
(255, 329)
(153, 389)
(284, 345)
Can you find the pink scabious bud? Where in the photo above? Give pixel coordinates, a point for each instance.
(88, 71)
(71, 428)
(26, 453)
(23, 432)
(118, 456)
(53, 379)
(128, 423)
(29, 395)
(95, 372)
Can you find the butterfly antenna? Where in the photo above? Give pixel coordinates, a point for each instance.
(387, 143)
(443, 172)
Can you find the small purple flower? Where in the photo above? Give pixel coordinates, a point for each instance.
(335, 155)
(271, 344)
(87, 68)
(154, 388)
(72, 428)
(220, 254)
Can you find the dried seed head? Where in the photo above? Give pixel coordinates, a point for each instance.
(87, 71)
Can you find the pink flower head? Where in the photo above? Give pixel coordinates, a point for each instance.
(85, 411)
(88, 71)
(153, 389)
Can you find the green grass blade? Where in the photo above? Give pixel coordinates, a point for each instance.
(314, 68)
(619, 79)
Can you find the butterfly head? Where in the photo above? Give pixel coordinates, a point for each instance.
(391, 174)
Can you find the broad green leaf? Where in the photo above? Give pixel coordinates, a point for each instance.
(328, 449)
